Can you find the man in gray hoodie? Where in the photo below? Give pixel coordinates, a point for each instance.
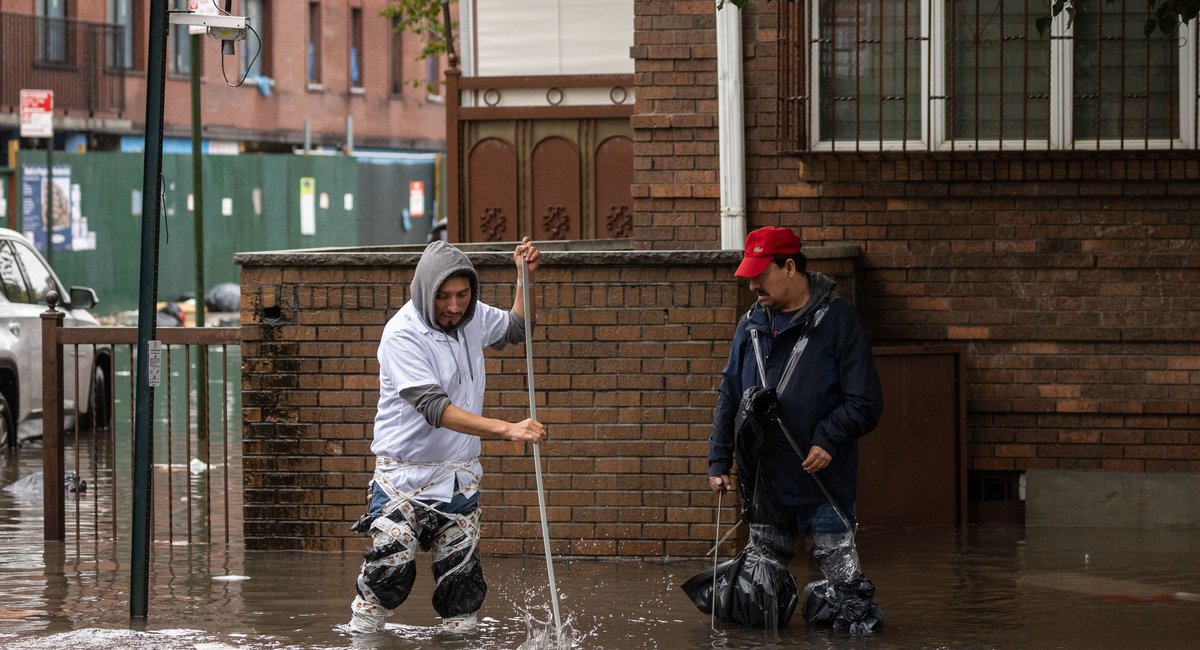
(425, 491)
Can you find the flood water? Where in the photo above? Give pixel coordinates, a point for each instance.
(977, 587)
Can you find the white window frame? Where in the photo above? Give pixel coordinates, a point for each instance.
(934, 135)
(1186, 86)
(921, 143)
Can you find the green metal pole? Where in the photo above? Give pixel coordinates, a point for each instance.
(143, 429)
(198, 220)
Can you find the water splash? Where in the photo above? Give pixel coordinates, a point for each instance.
(541, 635)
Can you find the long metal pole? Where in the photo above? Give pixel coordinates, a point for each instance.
(537, 455)
(716, 552)
(143, 428)
(198, 245)
(50, 201)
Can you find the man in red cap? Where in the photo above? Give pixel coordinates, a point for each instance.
(800, 388)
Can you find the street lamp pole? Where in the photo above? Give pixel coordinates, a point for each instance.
(148, 289)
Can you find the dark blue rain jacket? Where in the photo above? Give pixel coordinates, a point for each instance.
(832, 399)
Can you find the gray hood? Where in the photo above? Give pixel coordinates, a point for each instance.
(440, 261)
(820, 289)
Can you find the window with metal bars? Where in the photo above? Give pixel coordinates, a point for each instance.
(975, 75)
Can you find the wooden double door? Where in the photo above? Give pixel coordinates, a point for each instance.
(547, 179)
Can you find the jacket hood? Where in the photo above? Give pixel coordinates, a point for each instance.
(440, 261)
(820, 288)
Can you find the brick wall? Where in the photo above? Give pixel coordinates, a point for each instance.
(676, 189)
(628, 351)
(1071, 279)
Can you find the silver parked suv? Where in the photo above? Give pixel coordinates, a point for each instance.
(25, 279)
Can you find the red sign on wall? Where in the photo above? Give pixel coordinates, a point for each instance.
(37, 113)
(416, 198)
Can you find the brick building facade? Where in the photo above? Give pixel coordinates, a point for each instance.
(1069, 275)
(386, 110)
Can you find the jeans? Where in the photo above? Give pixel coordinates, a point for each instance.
(459, 505)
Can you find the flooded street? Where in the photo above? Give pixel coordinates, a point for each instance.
(940, 588)
(979, 587)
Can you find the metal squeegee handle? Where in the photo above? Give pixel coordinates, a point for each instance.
(537, 456)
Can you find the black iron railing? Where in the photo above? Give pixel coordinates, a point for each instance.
(88, 465)
(83, 63)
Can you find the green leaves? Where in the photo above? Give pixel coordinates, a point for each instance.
(1163, 15)
(423, 18)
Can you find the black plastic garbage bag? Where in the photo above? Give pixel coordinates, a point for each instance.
(755, 413)
(754, 588)
(169, 316)
(223, 297)
(846, 607)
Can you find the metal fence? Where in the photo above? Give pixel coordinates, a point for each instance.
(977, 75)
(88, 465)
(82, 62)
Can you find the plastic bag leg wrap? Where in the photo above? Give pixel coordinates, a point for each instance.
(386, 576)
(754, 588)
(843, 600)
(460, 586)
(836, 556)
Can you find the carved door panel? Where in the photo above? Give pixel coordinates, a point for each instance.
(548, 179)
(492, 192)
(614, 181)
(557, 207)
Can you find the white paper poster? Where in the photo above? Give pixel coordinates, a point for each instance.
(308, 206)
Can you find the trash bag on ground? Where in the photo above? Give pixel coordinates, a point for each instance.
(223, 297)
(169, 316)
(754, 588)
(845, 606)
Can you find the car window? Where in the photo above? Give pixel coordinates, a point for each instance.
(10, 275)
(41, 280)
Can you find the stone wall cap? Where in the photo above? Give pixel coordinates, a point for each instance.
(554, 253)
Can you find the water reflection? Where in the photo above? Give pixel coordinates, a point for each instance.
(940, 588)
(978, 588)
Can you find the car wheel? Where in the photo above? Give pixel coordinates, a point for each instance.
(98, 405)
(8, 429)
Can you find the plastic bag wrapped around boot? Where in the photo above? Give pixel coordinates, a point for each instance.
(845, 606)
(754, 588)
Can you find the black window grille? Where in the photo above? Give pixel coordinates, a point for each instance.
(976, 75)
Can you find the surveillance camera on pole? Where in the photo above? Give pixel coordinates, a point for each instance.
(224, 28)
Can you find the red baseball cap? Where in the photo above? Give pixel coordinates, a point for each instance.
(763, 245)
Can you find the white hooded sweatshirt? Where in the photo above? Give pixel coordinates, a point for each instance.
(423, 369)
